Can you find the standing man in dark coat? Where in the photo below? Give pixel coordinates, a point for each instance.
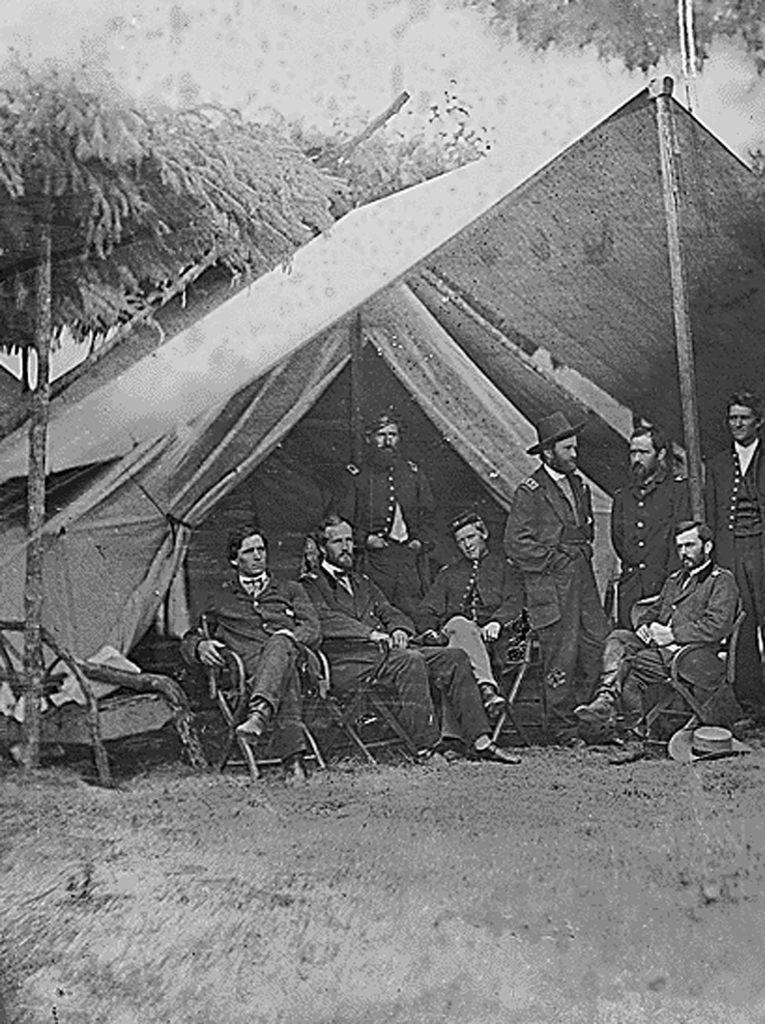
(265, 621)
(549, 537)
(389, 501)
(643, 519)
(472, 600)
(357, 620)
(735, 502)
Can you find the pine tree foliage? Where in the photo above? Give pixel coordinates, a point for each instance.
(135, 198)
(444, 138)
(638, 32)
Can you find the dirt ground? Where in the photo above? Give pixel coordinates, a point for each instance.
(565, 889)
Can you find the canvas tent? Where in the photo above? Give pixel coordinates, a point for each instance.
(473, 294)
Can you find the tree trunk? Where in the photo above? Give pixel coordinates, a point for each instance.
(38, 440)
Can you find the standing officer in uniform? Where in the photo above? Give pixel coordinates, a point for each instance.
(643, 519)
(735, 503)
(549, 536)
(390, 503)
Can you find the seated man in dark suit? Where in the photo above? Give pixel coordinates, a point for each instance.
(472, 600)
(698, 604)
(265, 621)
(356, 618)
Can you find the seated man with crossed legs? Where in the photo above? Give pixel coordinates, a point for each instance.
(471, 601)
(698, 604)
(265, 620)
(356, 616)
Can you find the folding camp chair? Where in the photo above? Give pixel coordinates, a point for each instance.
(696, 678)
(228, 688)
(512, 675)
(356, 714)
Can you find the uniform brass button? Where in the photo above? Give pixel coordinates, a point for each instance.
(641, 543)
(640, 523)
(641, 565)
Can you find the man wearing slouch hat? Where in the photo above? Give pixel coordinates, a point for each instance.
(549, 536)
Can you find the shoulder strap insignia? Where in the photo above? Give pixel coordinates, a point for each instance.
(531, 483)
(353, 469)
(413, 466)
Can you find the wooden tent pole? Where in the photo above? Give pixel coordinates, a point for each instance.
(686, 369)
(358, 396)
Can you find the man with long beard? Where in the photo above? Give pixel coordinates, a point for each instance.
(549, 537)
(643, 518)
(389, 501)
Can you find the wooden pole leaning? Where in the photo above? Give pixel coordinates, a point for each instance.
(686, 367)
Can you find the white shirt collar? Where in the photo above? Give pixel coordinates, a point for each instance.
(557, 477)
(745, 453)
(333, 570)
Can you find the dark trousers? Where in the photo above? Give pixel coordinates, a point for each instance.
(571, 650)
(750, 578)
(451, 676)
(410, 677)
(272, 676)
(403, 678)
(394, 570)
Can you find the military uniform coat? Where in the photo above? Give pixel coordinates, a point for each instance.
(369, 494)
(701, 611)
(543, 539)
(487, 591)
(643, 521)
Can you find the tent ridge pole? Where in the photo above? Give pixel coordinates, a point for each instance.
(686, 368)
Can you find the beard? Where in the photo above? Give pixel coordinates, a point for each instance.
(568, 468)
(639, 473)
(383, 458)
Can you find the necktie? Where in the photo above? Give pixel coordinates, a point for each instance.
(253, 585)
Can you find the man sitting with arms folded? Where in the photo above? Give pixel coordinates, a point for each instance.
(356, 619)
(471, 601)
(698, 604)
(264, 620)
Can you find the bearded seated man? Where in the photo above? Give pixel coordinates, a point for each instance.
(471, 601)
(357, 620)
(698, 604)
(265, 621)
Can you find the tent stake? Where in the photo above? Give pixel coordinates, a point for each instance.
(686, 369)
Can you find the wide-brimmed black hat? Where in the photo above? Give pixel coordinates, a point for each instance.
(554, 428)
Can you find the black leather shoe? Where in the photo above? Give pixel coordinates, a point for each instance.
(256, 722)
(495, 753)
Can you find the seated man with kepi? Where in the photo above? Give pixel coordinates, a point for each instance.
(265, 621)
(357, 619)
(471, 600)
(698, 604)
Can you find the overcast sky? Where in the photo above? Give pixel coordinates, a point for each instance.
(323, 59)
